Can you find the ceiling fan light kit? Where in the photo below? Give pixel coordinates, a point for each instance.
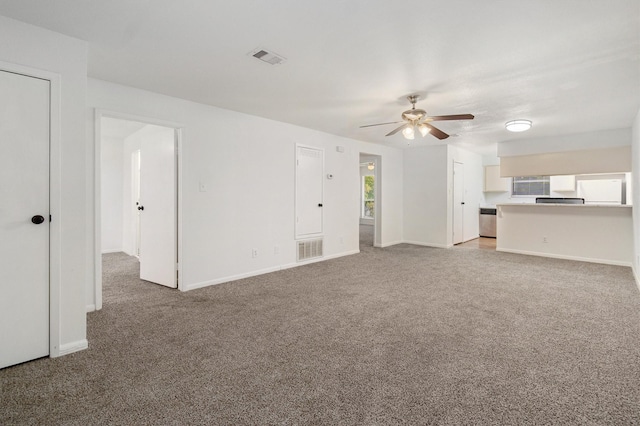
(408, 132)
(423, 129)
(518, 125)
(416, 120)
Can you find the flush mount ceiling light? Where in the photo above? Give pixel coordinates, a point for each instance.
(518, 125)
(371, 166)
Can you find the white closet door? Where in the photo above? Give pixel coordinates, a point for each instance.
(309, 191)
(24, 218)
(158, 236)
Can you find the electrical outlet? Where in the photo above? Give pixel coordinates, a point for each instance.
(276, 250)
(544, 240)
(254, 252)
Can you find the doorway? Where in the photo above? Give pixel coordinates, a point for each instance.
(135, 199)
(138, 203)
(458, 202)
(369, 212)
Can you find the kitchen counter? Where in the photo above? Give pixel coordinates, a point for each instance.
(601, 233)
(565, 205)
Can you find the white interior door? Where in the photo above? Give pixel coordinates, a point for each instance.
(309, 196)
(458, 202)
(158, 207)
(135, 177)
(24, 218)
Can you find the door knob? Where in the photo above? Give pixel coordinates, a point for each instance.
(37, 219)
(140, 207)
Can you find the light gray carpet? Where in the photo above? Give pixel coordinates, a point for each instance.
(403, 335)
(366, 237)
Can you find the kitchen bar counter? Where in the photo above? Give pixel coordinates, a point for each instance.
(601, 233)
(565, 205)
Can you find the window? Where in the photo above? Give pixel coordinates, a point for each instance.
(368, 197)
(530, 186)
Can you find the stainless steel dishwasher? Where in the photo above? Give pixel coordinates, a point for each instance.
(488, 222)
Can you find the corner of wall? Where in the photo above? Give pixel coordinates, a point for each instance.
(635, 177)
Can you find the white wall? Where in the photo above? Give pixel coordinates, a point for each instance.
(562, 143)
(473, 185)
(426, 200)
(602, 160)
(72, 183)
(428, 194)
(390, 177)
(605, 151)
(111, 190)
(247, 163)
(635, 149)
(577, 232)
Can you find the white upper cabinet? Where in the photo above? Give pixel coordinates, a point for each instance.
(563, 183)
(493, 182)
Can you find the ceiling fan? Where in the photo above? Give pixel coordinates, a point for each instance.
(416, 120)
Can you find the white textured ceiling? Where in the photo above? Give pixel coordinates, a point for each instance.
(568, 65)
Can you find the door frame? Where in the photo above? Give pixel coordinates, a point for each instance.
(55, 196)
(179, 134)
(135, 172)
(453, 202)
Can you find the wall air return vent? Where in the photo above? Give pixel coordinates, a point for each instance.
(309, 249)
(268, 56)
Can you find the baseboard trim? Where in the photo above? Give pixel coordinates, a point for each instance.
(107, 251)
(383, 245)
(471, 239)
(565, 257)
(418, 243)
(265, 271)
(229, 278)
(636, 277)
(69, 348)
(91, 308)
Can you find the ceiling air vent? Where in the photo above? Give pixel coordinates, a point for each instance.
(268, 56)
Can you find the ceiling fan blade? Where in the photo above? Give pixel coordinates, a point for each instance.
(451, 117)
(394, 131)
(380, 124)
(437, 132)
